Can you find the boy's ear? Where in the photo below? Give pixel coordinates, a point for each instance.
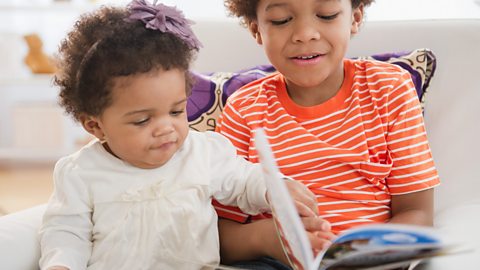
(253, 27)
(357, 19)
(93, 126)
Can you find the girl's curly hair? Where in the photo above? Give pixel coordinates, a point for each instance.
(247, 9)
(104, 45)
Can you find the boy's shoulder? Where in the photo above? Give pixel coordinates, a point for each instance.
(375, 75)
(371, 66)
(249, 93)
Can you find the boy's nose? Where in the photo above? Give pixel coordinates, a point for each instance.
(304, 31)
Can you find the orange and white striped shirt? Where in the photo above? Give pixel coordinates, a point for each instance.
(353, 151)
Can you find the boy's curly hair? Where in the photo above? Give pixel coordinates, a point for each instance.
(247, 9)
(104, 45)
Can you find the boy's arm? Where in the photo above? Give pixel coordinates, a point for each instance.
(413, 175)
(413, 208)
(241, 242)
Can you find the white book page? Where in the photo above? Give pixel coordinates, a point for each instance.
(288, 222)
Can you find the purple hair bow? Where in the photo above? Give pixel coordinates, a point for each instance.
(165, 19)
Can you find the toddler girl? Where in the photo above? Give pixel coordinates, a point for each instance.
(139, 195)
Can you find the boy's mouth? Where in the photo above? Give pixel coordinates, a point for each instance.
(306, 57)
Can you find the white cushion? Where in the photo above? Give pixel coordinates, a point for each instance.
(19, 247)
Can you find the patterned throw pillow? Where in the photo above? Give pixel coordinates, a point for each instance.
(210, 91)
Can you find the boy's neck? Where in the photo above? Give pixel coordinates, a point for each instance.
(311, 96)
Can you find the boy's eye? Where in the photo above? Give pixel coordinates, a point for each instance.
(176, 113)
(280, 22)
(328, 17)
(141, 122)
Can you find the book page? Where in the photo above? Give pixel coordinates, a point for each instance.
(289, 225)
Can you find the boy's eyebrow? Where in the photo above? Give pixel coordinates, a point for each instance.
(326, 1)
(149, 110)
(283, 4)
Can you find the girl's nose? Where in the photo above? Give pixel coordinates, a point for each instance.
(163, 128)
(305, 30)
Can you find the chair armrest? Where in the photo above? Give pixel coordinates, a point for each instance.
(460, 225)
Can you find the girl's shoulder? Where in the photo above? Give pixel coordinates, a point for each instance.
(207, 141)
(90, 157)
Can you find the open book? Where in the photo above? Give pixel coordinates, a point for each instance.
(380, 246)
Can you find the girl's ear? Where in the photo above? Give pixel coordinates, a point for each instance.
(93, 126)
(357, 19)
(253, 27)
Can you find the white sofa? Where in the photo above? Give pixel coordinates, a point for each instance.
(452, 112)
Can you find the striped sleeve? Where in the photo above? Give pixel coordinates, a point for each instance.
(412, 163)
(232, 125)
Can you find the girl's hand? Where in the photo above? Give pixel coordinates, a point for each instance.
(304, 199)
(319, 233)
(58, 268)
(318, 230)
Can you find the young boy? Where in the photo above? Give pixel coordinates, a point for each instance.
(350, 130)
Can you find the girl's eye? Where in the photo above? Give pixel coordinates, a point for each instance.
(177, 113)
(329, 17)
(280, 22)
(141, 122)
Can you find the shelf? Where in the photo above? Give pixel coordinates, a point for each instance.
(57, 6)
(34, 79)
(13, 155)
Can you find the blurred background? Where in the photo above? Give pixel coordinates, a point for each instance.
(34, 132)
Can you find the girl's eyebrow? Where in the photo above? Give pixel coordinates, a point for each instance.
(181, 101)
(137, 111)
(149, 110)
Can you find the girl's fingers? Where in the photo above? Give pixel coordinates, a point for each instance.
(303, 210)
(318, 243)
(325, 235)
(301, 193)
(316, 223)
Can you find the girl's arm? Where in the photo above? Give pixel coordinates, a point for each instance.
(413, 208)
(65, 234)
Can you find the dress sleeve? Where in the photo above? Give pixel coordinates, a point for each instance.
(235, 181)
(413, 168)
(66, 231)
(232, 125)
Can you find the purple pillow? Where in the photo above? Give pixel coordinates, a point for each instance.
(210, 91)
